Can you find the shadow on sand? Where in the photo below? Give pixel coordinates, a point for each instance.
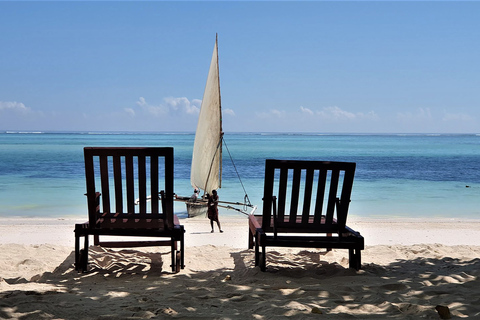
(130, 284)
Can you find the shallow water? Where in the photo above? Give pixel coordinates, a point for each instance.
(42, 174)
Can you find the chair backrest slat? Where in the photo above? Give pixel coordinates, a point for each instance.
(316, 193)
(117, 178)
(142, 184)
(134, 174)
(105, 187)
(130, 184)
(332, 196)
(344, 204)
(295, 194)
(322, 180)
(90, 182)
(154, 183)
(268, 195)
(282, 193)
(167, 204)
(308, 196)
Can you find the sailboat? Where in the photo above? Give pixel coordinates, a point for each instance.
(206, 169)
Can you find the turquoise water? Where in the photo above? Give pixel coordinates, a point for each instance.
(42, 174)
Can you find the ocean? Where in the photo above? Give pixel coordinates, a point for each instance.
(398, 175)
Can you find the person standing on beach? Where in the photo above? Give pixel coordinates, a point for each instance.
(213, 210)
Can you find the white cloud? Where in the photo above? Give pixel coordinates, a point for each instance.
(421, 114)
(306, 110)
(228, 112)
(273, 113)
(141, 102)
(130, 111)
(196, 103)
(151, 109)
(182, 105)
(14, 106)
(171, 105)
(309, 120)
(457, 117)
(337, 114)
(370, 115)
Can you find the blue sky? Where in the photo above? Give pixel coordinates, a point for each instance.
(332, 67)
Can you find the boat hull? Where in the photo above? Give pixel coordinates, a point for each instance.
(196, 209)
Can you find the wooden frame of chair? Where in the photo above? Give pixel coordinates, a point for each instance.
(119, 181)
(326, 188)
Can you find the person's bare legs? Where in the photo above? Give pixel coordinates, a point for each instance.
(218, 224)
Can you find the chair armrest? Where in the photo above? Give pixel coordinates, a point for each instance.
(176, 221)
(352, 232)
(253, 224)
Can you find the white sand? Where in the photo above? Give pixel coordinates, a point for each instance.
(409, 267)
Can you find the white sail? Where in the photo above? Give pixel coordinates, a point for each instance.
(207, 149)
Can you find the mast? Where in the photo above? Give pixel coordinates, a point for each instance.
(220, 108)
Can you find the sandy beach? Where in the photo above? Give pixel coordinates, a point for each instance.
(409, 268)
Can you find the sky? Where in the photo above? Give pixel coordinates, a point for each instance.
(324, 67)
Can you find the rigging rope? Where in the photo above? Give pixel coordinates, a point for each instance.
(246, 200)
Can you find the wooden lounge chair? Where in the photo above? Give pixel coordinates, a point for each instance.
(119, 183)
(305, 204)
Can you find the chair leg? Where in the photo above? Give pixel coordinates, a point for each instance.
(81, 255)
(250, 239)
(351, 257)
(257, 250)
(77, 251)
(359, 259)
(329, 235)
(179, 257)
(263, 255)
(178, 262)
(263, 259)
(173, 253)
(182, 249)
(354, 259)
